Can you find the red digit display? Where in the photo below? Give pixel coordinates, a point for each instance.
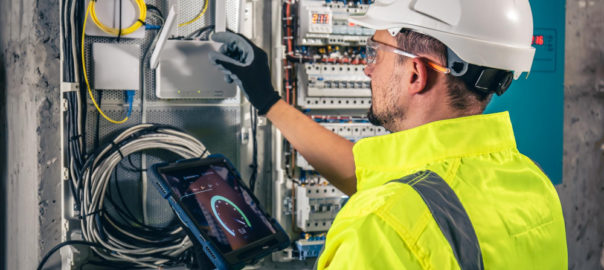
(318, 18)
(538, 40)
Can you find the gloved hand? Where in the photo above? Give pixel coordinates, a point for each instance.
(246, 64)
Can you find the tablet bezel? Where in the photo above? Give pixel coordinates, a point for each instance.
(234, 258)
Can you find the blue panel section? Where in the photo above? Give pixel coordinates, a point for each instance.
(536, 104)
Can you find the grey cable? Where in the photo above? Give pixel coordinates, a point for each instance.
(96, 180)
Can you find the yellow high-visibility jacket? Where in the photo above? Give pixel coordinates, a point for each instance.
(513, 211)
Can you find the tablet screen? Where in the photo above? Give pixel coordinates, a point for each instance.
(222, 209)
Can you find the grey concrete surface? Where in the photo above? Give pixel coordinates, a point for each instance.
(582, 191)
(2, 157)
(29, 116)
(30, 56)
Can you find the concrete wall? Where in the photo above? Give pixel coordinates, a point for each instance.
(30, 57)
(29, 113)
(2, 157)
(582, 192)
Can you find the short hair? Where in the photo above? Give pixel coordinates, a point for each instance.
(461, 97)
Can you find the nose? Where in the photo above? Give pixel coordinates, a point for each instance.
(369, 69)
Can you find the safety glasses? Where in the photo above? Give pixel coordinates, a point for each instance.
(373, 46)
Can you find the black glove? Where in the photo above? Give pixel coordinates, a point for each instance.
(246, 64)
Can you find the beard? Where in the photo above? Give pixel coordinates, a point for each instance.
(389, 111)
(373, 118)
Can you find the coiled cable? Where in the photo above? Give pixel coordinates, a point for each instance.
(142, 15)
(141, 246)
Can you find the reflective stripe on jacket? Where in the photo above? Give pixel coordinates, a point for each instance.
(512, 205)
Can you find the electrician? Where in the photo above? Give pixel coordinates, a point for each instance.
(448, 188)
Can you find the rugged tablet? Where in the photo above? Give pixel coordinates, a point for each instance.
(221, 213)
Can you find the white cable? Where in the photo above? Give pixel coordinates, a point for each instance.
(96, 180)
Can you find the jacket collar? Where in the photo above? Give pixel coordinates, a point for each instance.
(432, 142)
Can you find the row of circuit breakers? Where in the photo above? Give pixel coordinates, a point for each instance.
(324, 77)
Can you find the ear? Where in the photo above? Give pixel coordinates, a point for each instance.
(418, 78)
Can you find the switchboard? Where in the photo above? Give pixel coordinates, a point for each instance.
(323, 75)
(117, 91)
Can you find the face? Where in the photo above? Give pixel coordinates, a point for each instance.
(387, 89)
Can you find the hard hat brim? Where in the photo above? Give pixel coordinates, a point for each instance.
(496, 53)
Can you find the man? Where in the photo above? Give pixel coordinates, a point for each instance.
(448, 189)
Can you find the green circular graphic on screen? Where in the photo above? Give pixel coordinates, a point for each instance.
(236, 216)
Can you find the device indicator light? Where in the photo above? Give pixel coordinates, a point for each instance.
(320, 18)
(538, 40)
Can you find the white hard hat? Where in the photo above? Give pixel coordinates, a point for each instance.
(496, 34)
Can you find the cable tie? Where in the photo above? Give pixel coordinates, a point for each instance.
(119, 151)
(73, 138)
(92, 213)
(141, 21)
(204, 152)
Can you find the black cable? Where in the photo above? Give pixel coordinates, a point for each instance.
(119, 31)
(66, 243)
(254, 165)
(197, 33)
(67, 53)
(112, 265)
(73, 145)
(98, 120)
(152, 7)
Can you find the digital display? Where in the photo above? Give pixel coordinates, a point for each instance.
(219, 205)
(538, 40)
(320, 18)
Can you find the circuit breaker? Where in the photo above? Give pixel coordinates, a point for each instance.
(323, 74)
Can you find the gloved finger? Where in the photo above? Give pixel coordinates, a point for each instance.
(227, 70)
(225, 37)
(221, 59)
(230, 37)
(228, 78)
(235, 46)
(223, 69)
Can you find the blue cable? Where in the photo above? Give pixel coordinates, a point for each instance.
(152, 27)
(130, 99)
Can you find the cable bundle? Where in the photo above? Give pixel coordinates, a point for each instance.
(142, 15)
(140, 244)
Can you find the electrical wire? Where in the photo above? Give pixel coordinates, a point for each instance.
(254, 165)
(198, 34)
(59, 246)
(140, 245)
(142, 9)
(203, 11)
(88, 10)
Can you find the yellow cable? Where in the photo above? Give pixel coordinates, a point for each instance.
(86, 76)
(203, 11)
(142, 8)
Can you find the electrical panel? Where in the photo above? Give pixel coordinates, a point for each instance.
(326, 23)
(323, 76)
(121, 112)
(110, 85)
